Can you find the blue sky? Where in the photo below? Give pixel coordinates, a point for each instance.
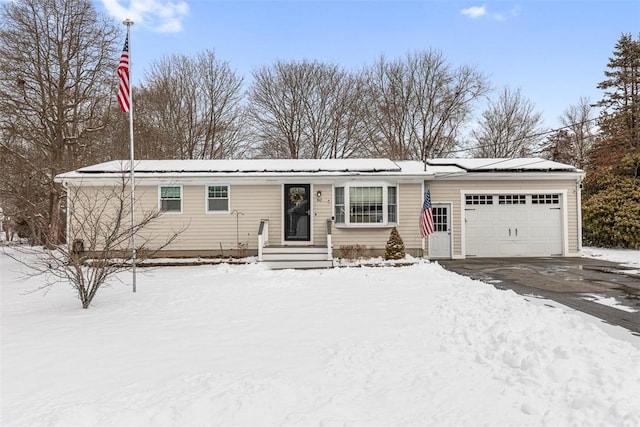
(554, 51)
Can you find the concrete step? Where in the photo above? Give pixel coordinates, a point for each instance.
(298, 264)
(294, 249)
(298, 256)
(281, 257)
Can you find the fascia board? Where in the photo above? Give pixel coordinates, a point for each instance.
(513, 176)
(245, 179)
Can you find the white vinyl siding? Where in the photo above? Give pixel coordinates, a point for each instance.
(201, 231)
(206, 232)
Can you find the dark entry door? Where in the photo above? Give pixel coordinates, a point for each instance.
(297, 212)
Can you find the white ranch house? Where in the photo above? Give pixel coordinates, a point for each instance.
(302, 212)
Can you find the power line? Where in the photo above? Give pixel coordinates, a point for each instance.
(535, 135)
(621, 109)
(497, 162)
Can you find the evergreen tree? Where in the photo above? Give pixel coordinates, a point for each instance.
(620, 119)
(395, 246)
(612, 187)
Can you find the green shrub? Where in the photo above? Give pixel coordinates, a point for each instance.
(611, 216)
(395, 246)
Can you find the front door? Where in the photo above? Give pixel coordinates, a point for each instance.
(440, 240)
(297, 212)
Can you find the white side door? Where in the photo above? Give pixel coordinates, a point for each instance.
(440, 240)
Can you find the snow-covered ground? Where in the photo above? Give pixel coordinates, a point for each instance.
(241, 345)
(627, 257)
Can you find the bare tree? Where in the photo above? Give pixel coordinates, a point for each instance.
(416, 106)
(387, 116)
(304, 110)
(509, 127)
(56, 74)
(193, 106)
(558, 147)
(100, 232)
(573, 143)
(578, 119)
(276, 106)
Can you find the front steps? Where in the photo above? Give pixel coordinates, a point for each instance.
(300, 257)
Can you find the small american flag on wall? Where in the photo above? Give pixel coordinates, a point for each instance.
(124, 98)
(426, 216)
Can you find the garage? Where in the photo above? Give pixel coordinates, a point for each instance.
(517, 225)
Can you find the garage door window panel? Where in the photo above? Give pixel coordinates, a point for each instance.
(479, 199)
(545, 199)
(512, 199)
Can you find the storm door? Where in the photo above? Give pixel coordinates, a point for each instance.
(297, 212)
(440, 240)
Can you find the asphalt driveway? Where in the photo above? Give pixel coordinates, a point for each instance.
(573, 282)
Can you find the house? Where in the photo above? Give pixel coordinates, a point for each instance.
(289, 209)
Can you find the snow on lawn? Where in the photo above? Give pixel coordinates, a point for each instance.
(627, 257)
(242, 345)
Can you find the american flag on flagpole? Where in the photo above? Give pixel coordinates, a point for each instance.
(426, 216)
(124, 91)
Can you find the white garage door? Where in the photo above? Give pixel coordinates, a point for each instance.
(502, 225)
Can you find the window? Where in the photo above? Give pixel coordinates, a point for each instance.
(545, 199)
(374, 204)
(512, 199)
(440, 219)
(218, 198)
(365, 205)
(479, 199)
(392, 205)
(171, 199)
(339, 205)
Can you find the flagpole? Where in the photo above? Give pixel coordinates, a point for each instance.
(129, 23)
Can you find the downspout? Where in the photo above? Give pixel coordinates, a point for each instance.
(65, 186)
(579, 210)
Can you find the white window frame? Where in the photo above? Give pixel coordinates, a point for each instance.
(206, 199)
(160, 187)
(385, 204)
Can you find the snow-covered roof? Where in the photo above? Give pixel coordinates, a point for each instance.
(316, 167)
(247, 166)
(503, 164)
(418, 168)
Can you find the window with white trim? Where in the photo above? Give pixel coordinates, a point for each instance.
(217, 198)
(171, 198)
(365, 204)
(339, 205)
(392, 205)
